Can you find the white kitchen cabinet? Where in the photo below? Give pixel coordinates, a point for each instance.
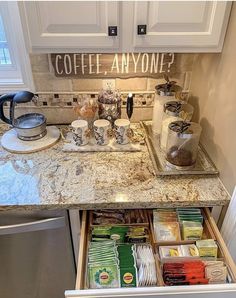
(194, 291)
(53, 26)
(182, 26)
(82, 26)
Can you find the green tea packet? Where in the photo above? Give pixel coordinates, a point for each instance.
(128, 277)
(104, 262)
(100, 233)
(106, 276)
(118, 233)
(197, 218)
(137, 235)
(189, 210)
(106, 243)
(102, 257)
(207, 248)
(192, 230)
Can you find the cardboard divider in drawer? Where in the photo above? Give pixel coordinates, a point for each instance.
(82, 273)
(83, 248)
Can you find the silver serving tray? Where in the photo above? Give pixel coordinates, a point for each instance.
(203, 166)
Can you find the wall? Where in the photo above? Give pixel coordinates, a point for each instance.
(45, 80)
(213, 91)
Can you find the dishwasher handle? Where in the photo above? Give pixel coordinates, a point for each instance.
(38, 225)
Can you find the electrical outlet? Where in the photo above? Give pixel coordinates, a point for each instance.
(109, 84)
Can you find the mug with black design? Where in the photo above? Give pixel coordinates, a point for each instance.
(102, 131)
(81, 132)
(123, 132)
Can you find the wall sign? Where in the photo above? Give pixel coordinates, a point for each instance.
(113, 65)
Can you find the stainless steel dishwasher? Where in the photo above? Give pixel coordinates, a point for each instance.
(36, 254)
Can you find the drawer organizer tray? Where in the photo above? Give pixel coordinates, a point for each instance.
(227, 290)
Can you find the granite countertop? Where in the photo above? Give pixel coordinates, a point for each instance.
(54, 179)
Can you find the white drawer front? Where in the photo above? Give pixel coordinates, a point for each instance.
(204, 291)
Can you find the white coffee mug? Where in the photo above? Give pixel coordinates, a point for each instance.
(80, 132)
(102, 131)
(123, 132)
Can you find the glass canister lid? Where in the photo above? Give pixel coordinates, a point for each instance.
(173, 108)
(185, 129)
(169, 88)
(180, 109)
(109, 96)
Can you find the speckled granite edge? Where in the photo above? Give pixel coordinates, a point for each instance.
(122, 205)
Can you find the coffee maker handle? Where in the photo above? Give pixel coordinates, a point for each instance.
(4, 98)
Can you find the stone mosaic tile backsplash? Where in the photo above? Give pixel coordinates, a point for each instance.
(58, 107)
(73, 99)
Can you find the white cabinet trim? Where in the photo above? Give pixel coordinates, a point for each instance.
(228, 229)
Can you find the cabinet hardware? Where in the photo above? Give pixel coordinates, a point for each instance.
(142, 29)
(112, 30)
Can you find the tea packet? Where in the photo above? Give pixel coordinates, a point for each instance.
(189, 250)
(103, 276)
(167, 231)
(192, 230)
(207, 248)
(172, 251)
(146, 267)
(128, 270)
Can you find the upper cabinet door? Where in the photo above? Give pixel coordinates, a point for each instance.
(82, 26)
(180, 26)
(77, 25)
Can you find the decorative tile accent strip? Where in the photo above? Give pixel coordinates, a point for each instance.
(72, 99)
(141, 99)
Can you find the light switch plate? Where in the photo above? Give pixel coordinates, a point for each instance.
(109, 84)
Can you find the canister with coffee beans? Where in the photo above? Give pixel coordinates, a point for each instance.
(174, 111)
(182, 144)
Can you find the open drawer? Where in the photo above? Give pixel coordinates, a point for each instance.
(195, 291)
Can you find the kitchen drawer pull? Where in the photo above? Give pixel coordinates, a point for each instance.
(44, 224)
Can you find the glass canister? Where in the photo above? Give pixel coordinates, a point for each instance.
(182, 144)
(109, 105)
(174, 111)
(86, 109)
(164, 93)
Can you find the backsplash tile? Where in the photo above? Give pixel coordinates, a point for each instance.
(141, 99)
(133, 84)
(86, 84)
